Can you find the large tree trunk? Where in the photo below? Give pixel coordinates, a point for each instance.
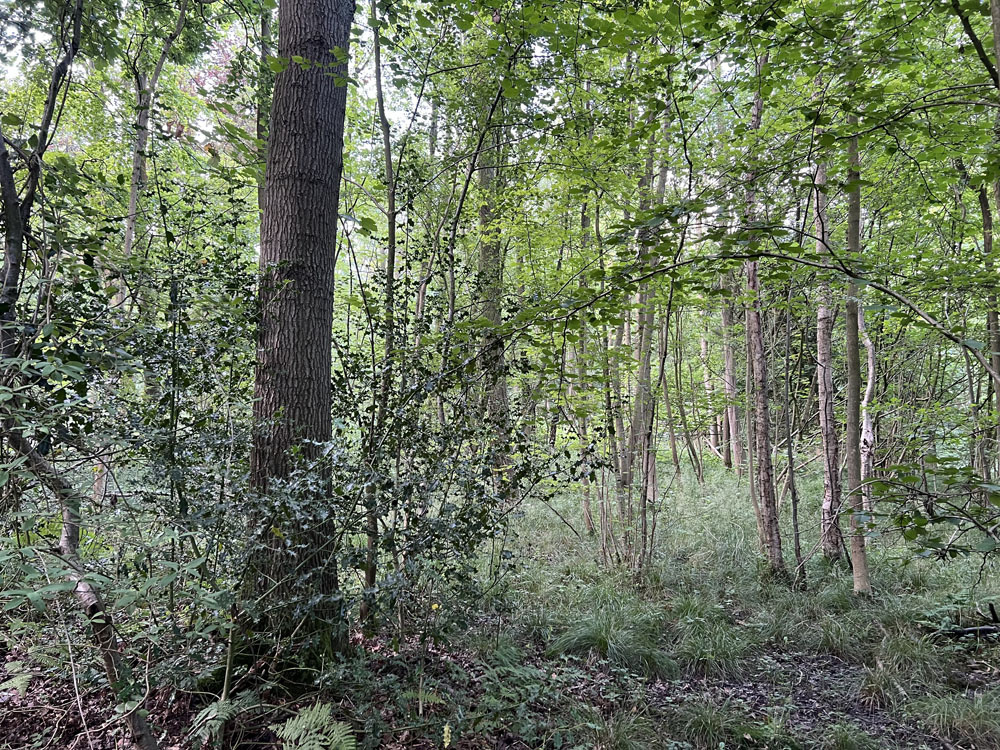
(832, 540)
(297, 254)
(859, 556)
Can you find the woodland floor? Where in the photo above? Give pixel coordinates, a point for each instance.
(563, 654)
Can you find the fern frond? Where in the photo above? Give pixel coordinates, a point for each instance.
(313, 728)
(18, 682)
(210, 721)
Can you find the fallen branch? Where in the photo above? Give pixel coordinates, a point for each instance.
(979, 631)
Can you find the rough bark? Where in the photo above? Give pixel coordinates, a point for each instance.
(297, 256)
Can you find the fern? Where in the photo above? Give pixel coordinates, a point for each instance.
(314, 729)
(18, 680)
(210, 721)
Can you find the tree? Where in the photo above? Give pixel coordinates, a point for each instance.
(767, 509)
(297, 255)
(852, 445)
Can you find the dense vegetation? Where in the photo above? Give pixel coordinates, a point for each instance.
(511, 374)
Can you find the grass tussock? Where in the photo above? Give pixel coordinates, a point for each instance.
(625, 633)
(961, 718)
(846, 736)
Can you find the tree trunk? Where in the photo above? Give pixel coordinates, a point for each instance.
(713, 423)
(762, 421)
(859, 556)
(17, 211)
(297, 253)
(800, 570)
(735, 444)
(831, 538)
(768, 514)
(867, 423)
(993, 318)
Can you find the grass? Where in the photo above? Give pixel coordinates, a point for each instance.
(845, 737)
(629, 729)
(622, 631)
(961, 718)
(707, 724)
(702, 614)
(714, 649)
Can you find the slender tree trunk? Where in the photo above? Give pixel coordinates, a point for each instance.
(993, 318)
(145, 96)
(378, 437)
(681, 412)
(800, 570)
(17, 212)
(490, 294)
(713, 423)
(762, 420)
(859, 556)
(735, 444)
(832, 540)
(582, 375)
(757, 354)
(867, 423)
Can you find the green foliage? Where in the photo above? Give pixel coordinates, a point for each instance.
(971, 718)
(845, 737)
(209, 723)
(625, 633)
(18, 680)
(559, 171)
(312, 728)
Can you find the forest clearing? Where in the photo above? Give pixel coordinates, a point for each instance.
(501, 374)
